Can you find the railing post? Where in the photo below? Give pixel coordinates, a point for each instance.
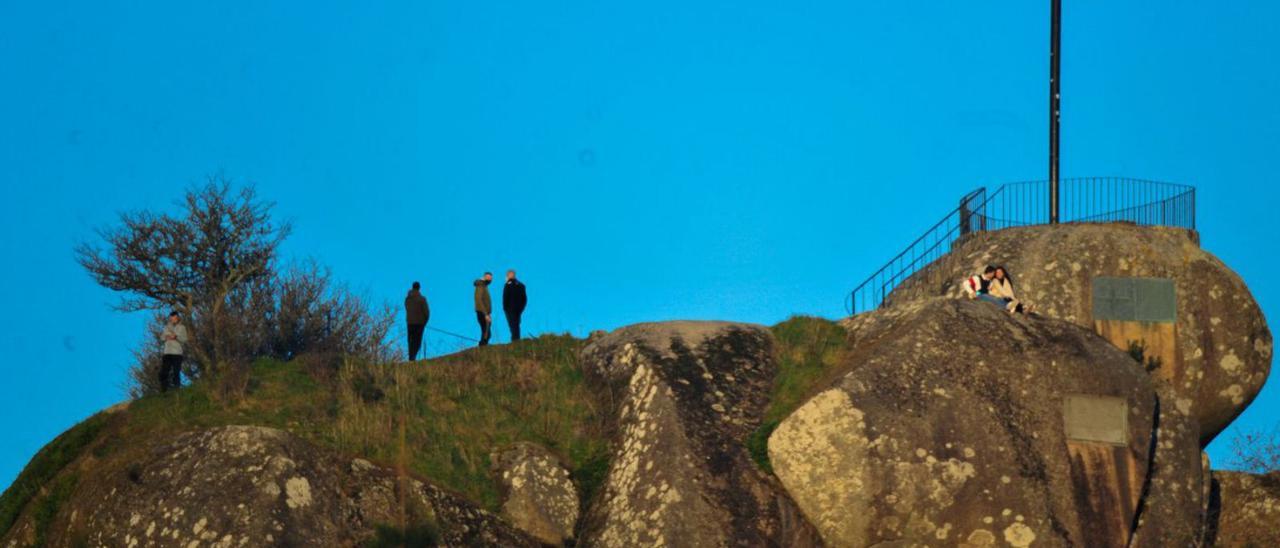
(1193, 209)
(1055, 54)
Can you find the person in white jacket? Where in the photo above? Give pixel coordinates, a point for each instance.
(174, 336)
(1001, 287)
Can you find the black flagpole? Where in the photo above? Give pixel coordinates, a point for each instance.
(1055, 60)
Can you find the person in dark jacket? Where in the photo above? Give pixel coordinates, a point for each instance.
(978, 286)
(513, 301)
(416, 313)
(484, 307)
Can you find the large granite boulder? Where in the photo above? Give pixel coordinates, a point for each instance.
(1216, 353)
(686, 396)
(252, 486)
(1175, 503)
(538, 496)
(959, 424)
(1246, 512)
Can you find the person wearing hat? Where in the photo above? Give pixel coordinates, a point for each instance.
(173, 335)
(484, 307)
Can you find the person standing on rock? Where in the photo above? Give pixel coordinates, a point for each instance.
(416, 314)
(484, 307)
(173, 335)
(514, 300)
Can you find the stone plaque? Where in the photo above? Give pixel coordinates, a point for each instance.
(1135, 299)
(1096, 419)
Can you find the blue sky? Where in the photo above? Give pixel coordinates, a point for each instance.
(735, 160)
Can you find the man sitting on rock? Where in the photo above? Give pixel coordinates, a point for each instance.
(978, 287)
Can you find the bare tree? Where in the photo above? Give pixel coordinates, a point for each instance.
(1256, 451)
(211, 263)
(215, 262)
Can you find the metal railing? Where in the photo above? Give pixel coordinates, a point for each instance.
(1082, 200)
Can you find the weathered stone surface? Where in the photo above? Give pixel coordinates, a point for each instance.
(254, 486)
(538, 495)
(948, 429)
(1218, 353)
(1246, 512)
(687, 394)
(1175, 504)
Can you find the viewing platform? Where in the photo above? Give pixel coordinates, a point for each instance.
(1083, 200)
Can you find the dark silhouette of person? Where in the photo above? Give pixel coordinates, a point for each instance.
(484, 307)
(514, 300)
(416, 314)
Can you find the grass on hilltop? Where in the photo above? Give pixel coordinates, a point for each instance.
(39, 474)
(453, 412)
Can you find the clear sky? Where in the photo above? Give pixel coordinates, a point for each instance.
(635, 161)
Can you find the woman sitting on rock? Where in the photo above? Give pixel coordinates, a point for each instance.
(1001, 287)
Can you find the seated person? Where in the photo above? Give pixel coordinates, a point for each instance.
(1001, 287)
(978, 286)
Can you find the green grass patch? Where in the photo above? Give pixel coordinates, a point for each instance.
(457, 409)
(589, 473)
(810, 353)
(280, 395)
(47, 507)
(42, 469)
(758, 445)
(439, 419)
(425, 535)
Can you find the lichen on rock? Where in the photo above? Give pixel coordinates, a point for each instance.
(949, 420)
(686, 396)
(256, 486)
(1245, 510)
(1221, 349)
(538, 495)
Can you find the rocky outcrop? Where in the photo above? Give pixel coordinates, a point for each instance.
(939, 422)
(951, 427)
(687, 394)
(1246, 510)
(1174, 508)
(538, 496)
(252, 486)
(1216, 354)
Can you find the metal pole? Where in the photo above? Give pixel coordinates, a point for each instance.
(1055, 59)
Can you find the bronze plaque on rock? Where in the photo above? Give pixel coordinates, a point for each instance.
(1096, 419)
(1135, 299)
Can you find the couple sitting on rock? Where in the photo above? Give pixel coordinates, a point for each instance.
(996, 287)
